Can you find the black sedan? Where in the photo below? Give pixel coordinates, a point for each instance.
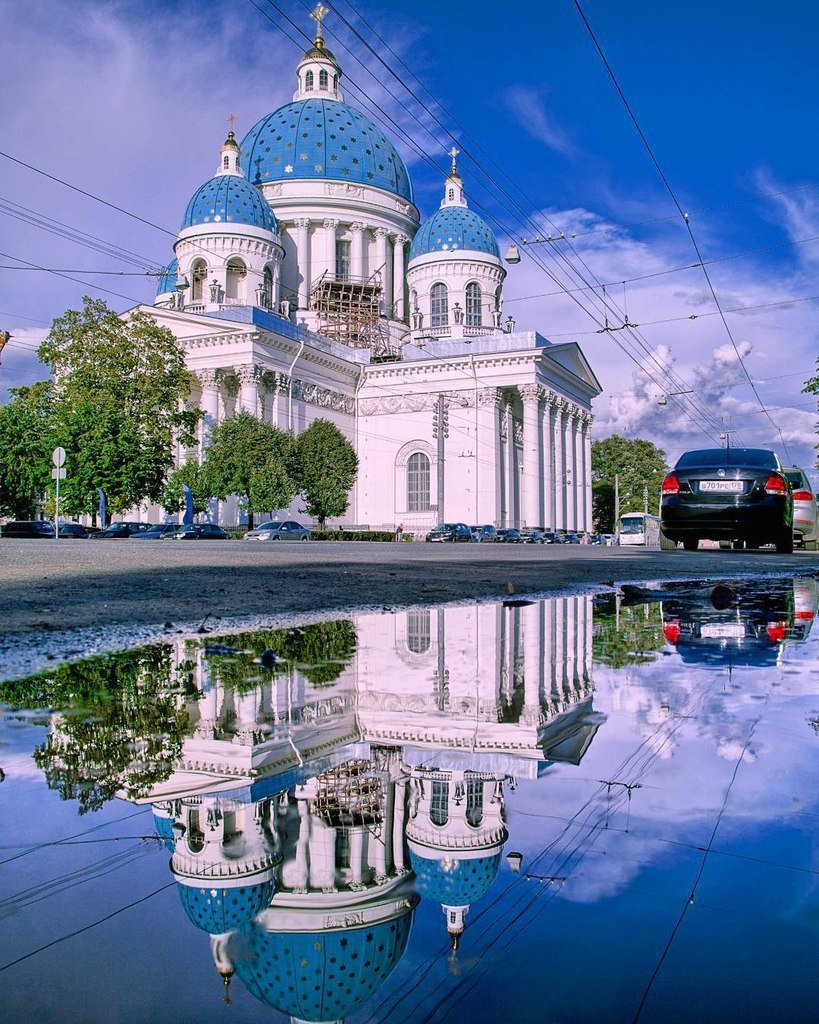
(739, 495)
(510, 536)
(199, 531)
(450, 533)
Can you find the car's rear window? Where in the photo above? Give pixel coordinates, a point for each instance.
(796, 479)
(728, 457)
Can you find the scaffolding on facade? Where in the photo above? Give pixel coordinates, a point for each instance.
(349, 311)
(350, 796)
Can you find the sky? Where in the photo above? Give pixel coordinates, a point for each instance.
(128, 101)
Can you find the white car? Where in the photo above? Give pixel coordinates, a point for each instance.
(805, 524)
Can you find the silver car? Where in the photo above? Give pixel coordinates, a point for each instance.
(805, 525)
(279, 531)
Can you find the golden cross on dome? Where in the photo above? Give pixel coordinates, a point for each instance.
(453, 153)
(231, 119)
(318, 14)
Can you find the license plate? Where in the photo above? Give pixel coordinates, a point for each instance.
(723, 486)
(722, 629)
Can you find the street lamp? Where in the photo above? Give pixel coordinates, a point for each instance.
(663, 399)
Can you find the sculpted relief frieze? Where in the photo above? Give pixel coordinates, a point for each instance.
(347, 190)
(413, 403)
(322, 397)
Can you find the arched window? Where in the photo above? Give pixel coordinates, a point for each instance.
(473, 304)
(308, 81)
(474, 801)
(324, 79)
(418, 483)
(199, 271)
(226, 162)
(335, 81)
(195, 836)
(413, 300)
(451, 194)
(439, 305)
(498, 297)
(343, 259)
(267, 294)
(419, 635)
(439, 803)
(236, 277)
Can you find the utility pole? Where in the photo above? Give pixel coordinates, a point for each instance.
(440, 431)
(617, 506)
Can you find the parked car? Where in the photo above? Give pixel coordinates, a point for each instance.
(571, 538)
(157, 532)
(452, 533)
(31, 528)
(198, 531)
(805, 524)
(736, 494)
(532, 536)
(484, 534)
(75, 531)
(550, 537)
(509, 536)
(279, 531)
(121, 531)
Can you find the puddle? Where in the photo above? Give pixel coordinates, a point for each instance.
(576, 809)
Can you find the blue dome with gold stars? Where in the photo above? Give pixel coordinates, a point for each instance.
(453, 228)
(321, 138)
(167, 282)
(325, 975)
(216, 910)
(229, 199)
(454, 881)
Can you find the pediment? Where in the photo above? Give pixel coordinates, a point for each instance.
(571, 359)
(185, 326)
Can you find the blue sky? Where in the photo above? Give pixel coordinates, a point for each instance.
(128, 101)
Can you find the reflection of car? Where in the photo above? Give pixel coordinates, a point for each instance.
(120, 531)
(279, 531)
(530, 536)
(510, 536)
(728, 494)
(157, 532)
(805, 526)
(31, 528)
(198, 531)
(484, 534)
(451, 533)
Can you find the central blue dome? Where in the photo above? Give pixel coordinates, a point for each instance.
(223, 910)
(454, 882)
(315, 138)
(228, 198)
(454, 228)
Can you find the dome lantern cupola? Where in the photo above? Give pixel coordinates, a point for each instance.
(318, 72)
(229, 162)
(454, 185)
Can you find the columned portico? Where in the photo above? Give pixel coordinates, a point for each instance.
(532, 490)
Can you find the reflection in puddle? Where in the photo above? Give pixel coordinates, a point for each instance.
(387, 818)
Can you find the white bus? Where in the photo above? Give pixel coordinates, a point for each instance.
(639, 528)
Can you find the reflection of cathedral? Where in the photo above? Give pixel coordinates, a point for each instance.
(306, 284)
(305, 821)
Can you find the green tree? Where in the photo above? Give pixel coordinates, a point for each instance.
(812, 388)
(26, 444)
(191, 473)
(120, 404)
(640, 466)
(628, 634)
(252, 459)
(326, 467)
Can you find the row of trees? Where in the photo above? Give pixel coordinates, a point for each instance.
(118, 403)
(638, 467)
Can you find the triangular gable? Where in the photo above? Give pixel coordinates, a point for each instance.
(570, 357)
(191, 325)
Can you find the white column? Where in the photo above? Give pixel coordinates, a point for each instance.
(560, 467)
(547, 442)
(532, 649)
(249, 389)
(532, 489)
(399, 276)
(398, 824)
(357, 856)
(587, 484)
(302, 226)
(209, 382)
(330, 247)
(487, 456)
(358, 269)
(572, 517)
(512, 510)
(381, 265)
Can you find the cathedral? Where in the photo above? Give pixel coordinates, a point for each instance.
(306, 284)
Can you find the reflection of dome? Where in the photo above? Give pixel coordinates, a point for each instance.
(317, 138)
(229, 198)
(167, 283)
(454, 228)
(325, 975)
(454, 881)
(163, 827)
(223, 910)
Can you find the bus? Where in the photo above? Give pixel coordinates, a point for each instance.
(639, 528)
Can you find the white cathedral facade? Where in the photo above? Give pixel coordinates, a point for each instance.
(306, 285)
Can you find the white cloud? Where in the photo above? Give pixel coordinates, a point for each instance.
(531, 110)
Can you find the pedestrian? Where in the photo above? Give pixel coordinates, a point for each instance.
(399, 532)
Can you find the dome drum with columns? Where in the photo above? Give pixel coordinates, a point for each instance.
(306, 285)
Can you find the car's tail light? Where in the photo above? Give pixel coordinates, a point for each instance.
(802, 496)
(777, 631)
(671, 485)
(776, 484)
(806, 616)
(671, 630)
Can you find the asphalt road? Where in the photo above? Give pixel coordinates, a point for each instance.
(48, 586)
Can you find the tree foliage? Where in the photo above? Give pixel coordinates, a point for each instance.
(327, 466)
(120, 404)
(173, 494)
(252, 459)
(628, 634)
(812, 388)
(26, 444)
(640, 466)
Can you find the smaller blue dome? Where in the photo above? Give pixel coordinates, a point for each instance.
(164, 826)
(453, 881)
(454, 228)
(320, 976)
(228, 198)
(217, 911)
(167, 283)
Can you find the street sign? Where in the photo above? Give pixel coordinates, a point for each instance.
(58, 474)
(58, 458)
